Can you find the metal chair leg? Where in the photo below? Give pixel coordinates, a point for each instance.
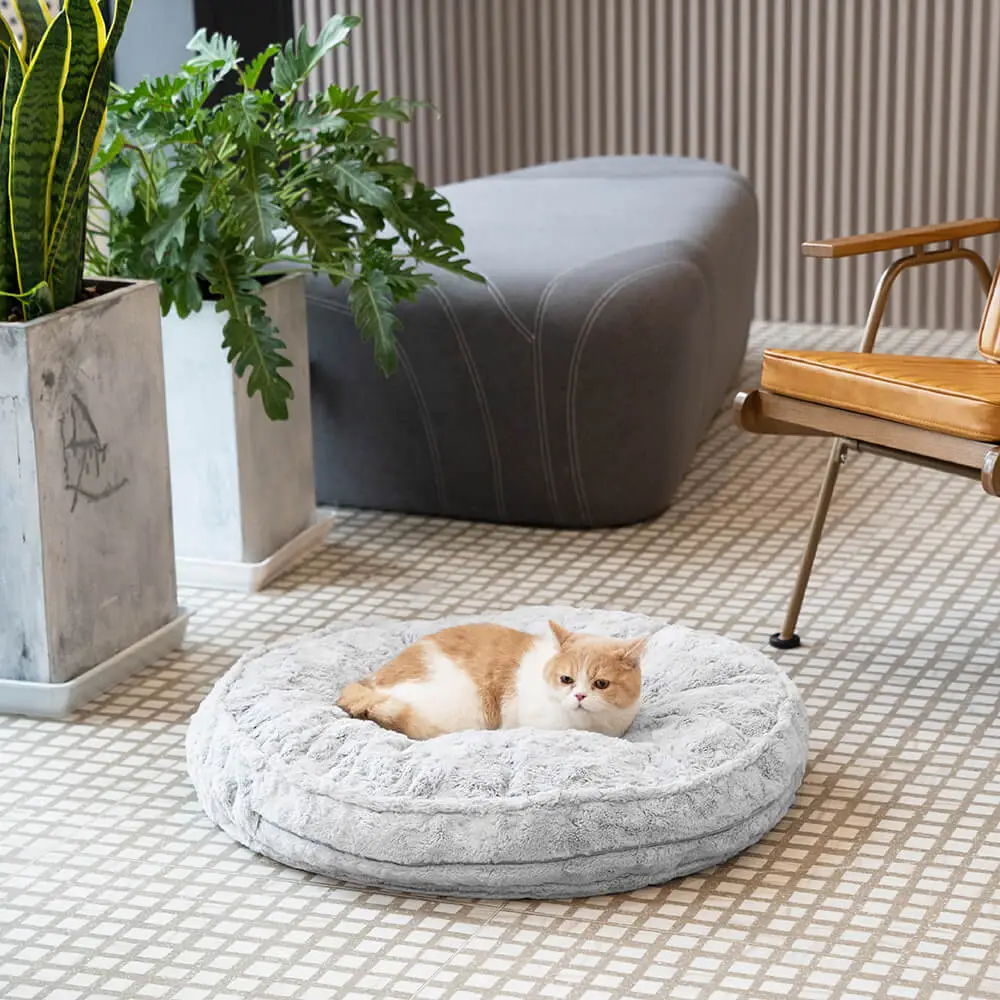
(787, 638)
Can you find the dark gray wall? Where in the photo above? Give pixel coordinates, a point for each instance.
(154, 41)
(254, 24)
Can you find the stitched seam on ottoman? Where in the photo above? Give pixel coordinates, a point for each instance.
(539, 323)
(425, 419)
(590, 321)
(507, 311)
(539, 374)
(480, 392)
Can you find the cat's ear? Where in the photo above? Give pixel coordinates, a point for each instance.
(563, 635)
(632, 653)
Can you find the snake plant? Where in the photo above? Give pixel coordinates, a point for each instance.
(57, 72)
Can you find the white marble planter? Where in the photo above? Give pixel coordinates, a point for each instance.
(87, 581)
(243, 486)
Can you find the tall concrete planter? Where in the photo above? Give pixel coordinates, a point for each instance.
(244, 490)
(87, 582)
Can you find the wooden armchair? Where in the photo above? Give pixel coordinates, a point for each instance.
(931, 411)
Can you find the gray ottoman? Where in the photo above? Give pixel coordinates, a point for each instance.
(571, 390)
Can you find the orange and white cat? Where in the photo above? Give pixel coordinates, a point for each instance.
(492, 677)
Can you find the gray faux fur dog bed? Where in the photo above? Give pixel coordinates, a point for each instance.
(712, 762)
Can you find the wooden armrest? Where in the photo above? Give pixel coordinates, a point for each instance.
(900, 239)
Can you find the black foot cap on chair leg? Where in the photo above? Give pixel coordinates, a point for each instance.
(792, 642)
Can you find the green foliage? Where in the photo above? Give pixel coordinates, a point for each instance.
(55, 84)
(210, 196)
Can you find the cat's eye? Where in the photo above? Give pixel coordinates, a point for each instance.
(601, 684)
(565, 680)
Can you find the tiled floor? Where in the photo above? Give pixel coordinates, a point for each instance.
(884, 881)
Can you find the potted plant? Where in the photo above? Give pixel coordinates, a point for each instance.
(87, 580)
(227, 185)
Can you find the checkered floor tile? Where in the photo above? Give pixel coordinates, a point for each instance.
(884, 881)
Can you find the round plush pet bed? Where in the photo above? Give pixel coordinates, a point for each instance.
(711, 763)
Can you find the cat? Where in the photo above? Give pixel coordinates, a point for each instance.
(491, 677)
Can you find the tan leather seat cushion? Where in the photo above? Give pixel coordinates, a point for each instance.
(952, 395)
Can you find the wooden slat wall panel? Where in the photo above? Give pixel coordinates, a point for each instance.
(847, 115)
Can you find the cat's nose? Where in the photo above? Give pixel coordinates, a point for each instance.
(580, 695)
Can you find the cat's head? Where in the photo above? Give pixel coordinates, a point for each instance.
(592, 673)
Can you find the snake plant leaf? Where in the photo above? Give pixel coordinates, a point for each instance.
(36, 301)
(36, 132)
(69, 229)
(87, 40)
(13, 75)
(8, 40)
(35, 19)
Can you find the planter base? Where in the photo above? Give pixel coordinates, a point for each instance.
(54, 701)
(248, 578)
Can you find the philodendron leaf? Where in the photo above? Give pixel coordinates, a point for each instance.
(372, 304)
(255, 209)
(168, 232)
(428, 213)
(252, 73)
(183, 289)
(254, 348)
(280, 179)
(108, 153)
(299, 58)
(445, 258)
(122, 176)
(353, 181)
(246, 113)
(321, 231)
(169, 186)
(252, 342)
(215, 52)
